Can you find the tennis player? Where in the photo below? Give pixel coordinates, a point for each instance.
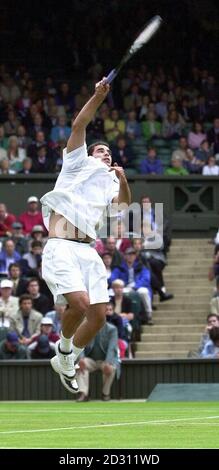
(86, 185)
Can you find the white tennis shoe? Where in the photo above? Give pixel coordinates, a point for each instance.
(63, 364)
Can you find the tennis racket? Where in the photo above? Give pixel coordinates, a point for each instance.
(146, 34)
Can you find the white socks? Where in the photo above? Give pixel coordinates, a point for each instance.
(66, 344)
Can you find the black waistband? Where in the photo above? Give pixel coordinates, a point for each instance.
(70, 240)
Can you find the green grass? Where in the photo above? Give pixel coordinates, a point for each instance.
(109, 425)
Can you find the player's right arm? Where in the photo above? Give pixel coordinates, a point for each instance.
(77, 137)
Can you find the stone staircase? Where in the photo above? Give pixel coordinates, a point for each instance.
(179, 323)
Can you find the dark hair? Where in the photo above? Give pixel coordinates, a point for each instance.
(212, 315)
(92, 146)
(33, 279)
(25, 297)
(36, 243)
(14, 265)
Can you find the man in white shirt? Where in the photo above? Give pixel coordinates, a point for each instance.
(72, 211)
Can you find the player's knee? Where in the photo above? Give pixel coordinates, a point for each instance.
(80, 303)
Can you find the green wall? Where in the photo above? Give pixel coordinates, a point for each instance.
(191, 202)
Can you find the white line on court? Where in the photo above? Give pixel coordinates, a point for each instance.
(96, 426)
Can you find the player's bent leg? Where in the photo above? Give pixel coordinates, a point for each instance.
(63, 362)
(94, 321)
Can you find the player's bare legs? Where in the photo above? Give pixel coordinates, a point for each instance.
(95, 319)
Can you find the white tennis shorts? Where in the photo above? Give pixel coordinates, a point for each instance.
(69, 266)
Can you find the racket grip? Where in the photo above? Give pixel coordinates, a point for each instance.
(111, 76)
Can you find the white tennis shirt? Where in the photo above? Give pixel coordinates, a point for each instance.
(83, 190)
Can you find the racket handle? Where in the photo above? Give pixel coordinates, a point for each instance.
(111, 76)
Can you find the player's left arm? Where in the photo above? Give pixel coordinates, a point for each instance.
(124, 196)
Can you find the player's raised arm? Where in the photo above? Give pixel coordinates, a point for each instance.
(86, 114)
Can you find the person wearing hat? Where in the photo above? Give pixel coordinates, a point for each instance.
(37, 234)
(42, 348)
(6, 221)
(10, 348)
(8, 303)
(32, 216)
(20, 241)
(46, 328)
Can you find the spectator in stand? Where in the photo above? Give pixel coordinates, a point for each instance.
(12, 124)
(9, 91)
(211, 348)
(15, 153)
(44, 162)
(101, 353)
(122, 306)
(20, 241)
(40, 301)
(122, 152)
(116, 320)
(38, 126)
(212, 321)
(214, 304)
(23, 140)
(151, 165)
(32, 216)
(37, 143)
(172, 125)
(8, 255)
(26, 322)
(136, 277)
(8, 303)
(56, 315)
(200, 111)
(19, 284)
(112, 250)
(151, 127)
(196, 135)
(192, 163)
(65, 98)
(27, 165)
(33, 258)
(37, 234)
(161, 107)
(154, 260)
(118, 229)
(133, 98)
(107, 260)
(132, 128)
(10, 348)
(204, 151)
(176, 168)
(42, 348)
(46, 328)
(5, 167)
(6, 221)
(213, 136)
(114, 126)
(61, 131)
(211, 169)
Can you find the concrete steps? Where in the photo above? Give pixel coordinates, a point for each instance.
(180, 322)
(161, 355)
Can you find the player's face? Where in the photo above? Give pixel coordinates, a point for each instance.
(103, 152)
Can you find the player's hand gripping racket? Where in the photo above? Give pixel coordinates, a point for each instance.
(146, 34)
